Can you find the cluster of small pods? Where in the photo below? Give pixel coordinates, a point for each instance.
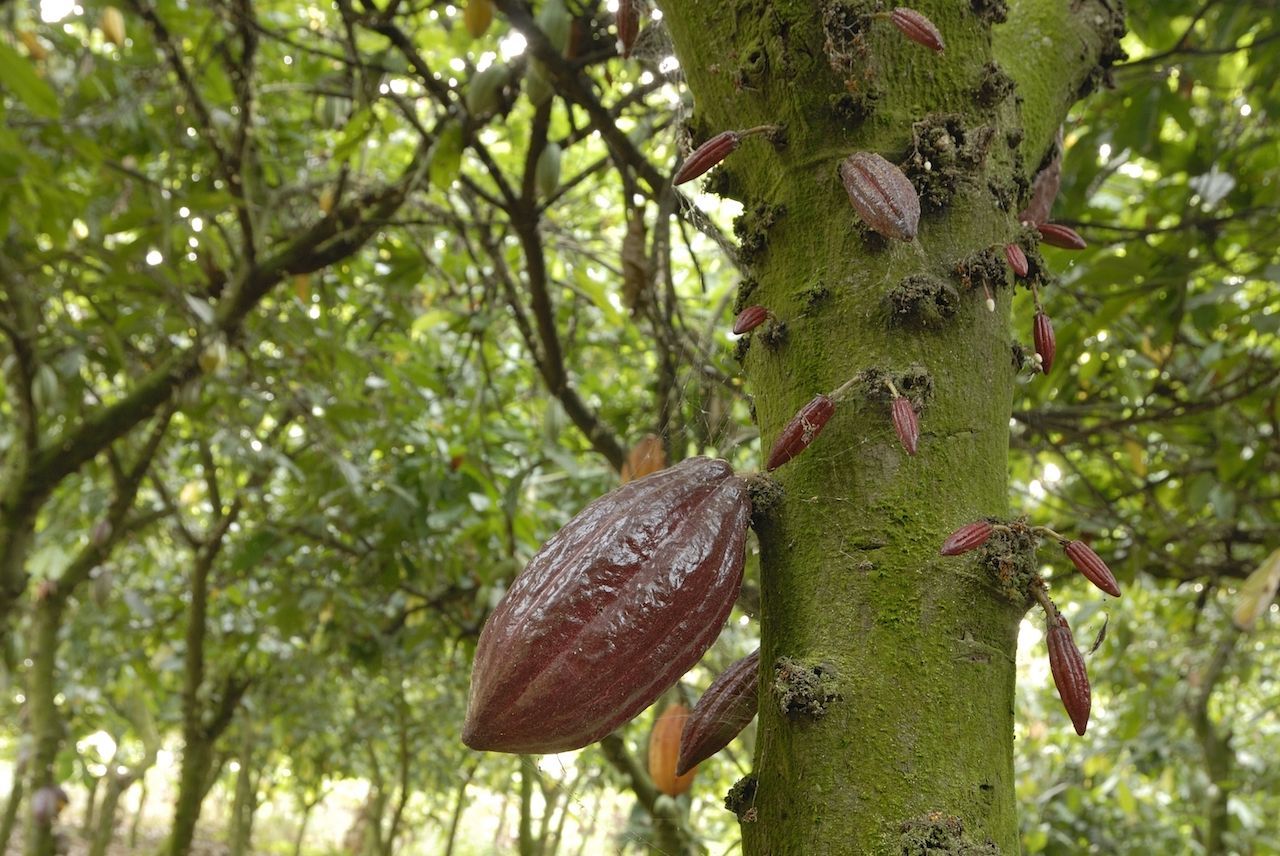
(1065, 660)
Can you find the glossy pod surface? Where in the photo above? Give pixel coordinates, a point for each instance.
(1069, 676)
(1091, 566)
(726, 708)
(802, 430)
(971, 536)
(611, 611)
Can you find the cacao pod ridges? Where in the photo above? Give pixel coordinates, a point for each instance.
(611, 612)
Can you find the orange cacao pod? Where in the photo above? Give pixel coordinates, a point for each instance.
(664, 750)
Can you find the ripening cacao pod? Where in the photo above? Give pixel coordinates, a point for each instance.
(547, 171)
(971, 536)
(645, 459)
(883, 197)
(707, 155)
(906, 424)
(35, 49)
(628, 25)
(484, 92)
(726, 708)
(664, 750)
(749, 319)
(802, 430)
(612, 610)
(1057, 235)
(478, 16)
(1069, 676)
(1091, 566)
(917, 27)
(1017, 260)
(112, 25)
(1046, 343)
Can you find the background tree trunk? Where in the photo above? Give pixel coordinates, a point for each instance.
(887, 674)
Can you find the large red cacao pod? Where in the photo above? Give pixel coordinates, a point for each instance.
(726, 708)
(609, 614)
(664, 749)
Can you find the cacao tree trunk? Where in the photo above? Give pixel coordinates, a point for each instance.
(44, 723)
(106, 825)
(887, 673)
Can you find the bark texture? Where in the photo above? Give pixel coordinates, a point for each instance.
(887, 672)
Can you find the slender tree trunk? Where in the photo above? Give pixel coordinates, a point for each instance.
(887, 674)
(1215, 745)
(245, 803)
(197, 757)
(300, 835)
(106, 826)
(86, 824)
(44, 723)
(528, 772)
(136, 824)
(9, 820)
(459, 806)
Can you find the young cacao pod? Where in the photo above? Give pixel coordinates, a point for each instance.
(1069, 676)
(628, 25)
(906, 424)
(971, 536)
(112, 25)
(749, 319)
(611, 611)
(882, 195)
(547, 171)
(478, 16)
(726, 708)
(1046, 343)
(1063, 237)
(664, 750)
(1091, 566)
(1017, 260)
(707, 155)
(802, 430)
(918, 28)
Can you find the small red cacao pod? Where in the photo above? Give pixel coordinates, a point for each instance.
(726, 708)
(1046, 344)
(971, 536)
(1017, 259)
(883, 197)
(664, 750)
(749, 319)
(707, 155)
(612, 610)
(917, 27)
(802, 430)
(1069, 676)
(1091, 566)
(906, 424)
(628, 25)
(1057, 235)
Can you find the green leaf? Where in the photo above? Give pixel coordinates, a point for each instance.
(17, 75)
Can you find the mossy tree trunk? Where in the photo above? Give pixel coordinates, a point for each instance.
(887, 672)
